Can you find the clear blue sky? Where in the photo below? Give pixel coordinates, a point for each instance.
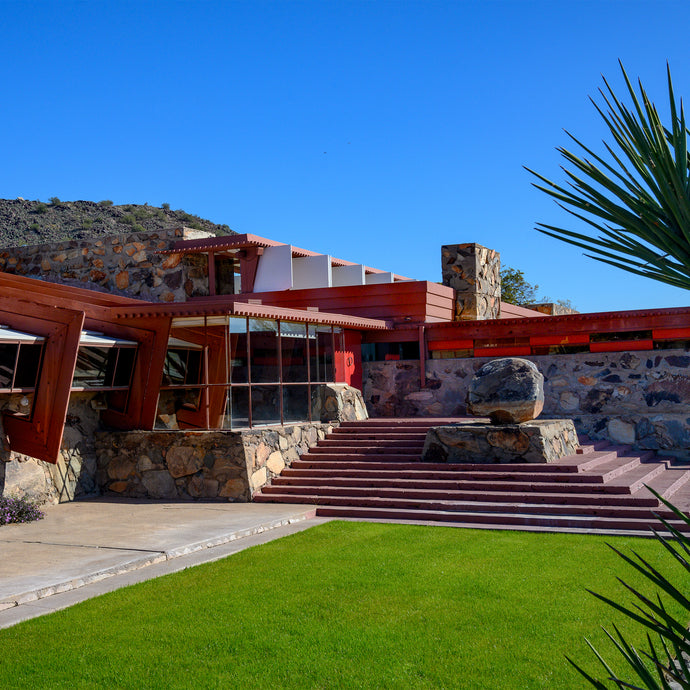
(373, 131)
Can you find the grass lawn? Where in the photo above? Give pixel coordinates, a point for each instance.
(343, 605)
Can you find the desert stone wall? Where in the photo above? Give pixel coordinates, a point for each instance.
(222, 465)
(126, 265)
(474, 272)
(639, 398)
(74, 474)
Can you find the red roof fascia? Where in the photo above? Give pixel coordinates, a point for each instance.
(244, 241)
(40, 435)
(567, 324)
(236, 307)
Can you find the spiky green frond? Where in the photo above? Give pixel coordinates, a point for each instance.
(637, 204)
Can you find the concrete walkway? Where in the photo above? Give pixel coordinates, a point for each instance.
(87, 548)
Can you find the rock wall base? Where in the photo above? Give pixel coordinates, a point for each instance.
(537, 441)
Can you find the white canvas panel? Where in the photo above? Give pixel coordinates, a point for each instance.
(274, 271)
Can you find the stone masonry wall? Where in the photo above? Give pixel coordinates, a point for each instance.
(74, 474)
(639, 398)
(474, 272)
(221, 465)
(126, 265)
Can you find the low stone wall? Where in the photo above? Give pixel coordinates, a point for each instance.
(73, 475)
(638, 398)
(121, 264)
(536, 441)
(222, 465)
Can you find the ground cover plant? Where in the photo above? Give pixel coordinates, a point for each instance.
(14, 509)
(344, 605)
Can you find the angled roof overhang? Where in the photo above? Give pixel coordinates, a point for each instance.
(230, 243)
(197, 313)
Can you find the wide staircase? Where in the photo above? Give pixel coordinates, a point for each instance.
(372, 470)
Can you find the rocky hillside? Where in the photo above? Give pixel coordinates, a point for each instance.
(35, 222)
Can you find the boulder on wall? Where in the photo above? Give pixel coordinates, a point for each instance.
(508, 391)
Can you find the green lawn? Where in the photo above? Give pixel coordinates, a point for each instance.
(341, 605)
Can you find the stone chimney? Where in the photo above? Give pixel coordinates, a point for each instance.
(473, 272)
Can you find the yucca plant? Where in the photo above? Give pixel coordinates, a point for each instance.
(637, 201)
(664, 665)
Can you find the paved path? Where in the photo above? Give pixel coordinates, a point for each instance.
(87, 548)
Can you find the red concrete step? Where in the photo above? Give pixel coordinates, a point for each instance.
(500, 471)
(667, 483)
(587, 446)
(487, 482)
(354, 457)
(508, 520)
(371, 443)
(308, 491)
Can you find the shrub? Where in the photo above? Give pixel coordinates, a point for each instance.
(14, 510)
(105, 202)
(35, 227)
(54, 200)
(87, 223)
(40, 208)
(165, 206)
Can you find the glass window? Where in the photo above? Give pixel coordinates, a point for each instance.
(265, 405)
(102, 367)
(293, 346)
(8, 360)
(237, 408)
(237, 333)
(295, 404)
(321, 353)
(263, 339)
(182, 367)
(28, 366)
(92, 363)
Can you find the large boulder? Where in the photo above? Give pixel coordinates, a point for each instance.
(508, 391)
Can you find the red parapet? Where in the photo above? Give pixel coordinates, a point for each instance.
(622, 345)
(466, 344)
(515, 351)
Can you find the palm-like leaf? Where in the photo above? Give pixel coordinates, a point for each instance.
(638, 202)
(652, 670)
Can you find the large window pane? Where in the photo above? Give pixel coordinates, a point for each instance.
(28, 364)
(8, 359)
(295, 404)
(124, 367)
(237, 408)
(321, 353)
(265, 405)
(264, 351)
(182, 367)
(237, 334)
(293, 345)
(92, 363)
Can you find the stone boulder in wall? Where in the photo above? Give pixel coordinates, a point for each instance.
(508, 391)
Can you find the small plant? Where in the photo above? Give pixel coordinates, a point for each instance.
(54, 200)
(165, 206)
(15, 510)
(105, 202)
(40, 208)
(87, 223)
(34, 227)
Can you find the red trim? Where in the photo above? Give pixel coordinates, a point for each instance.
(671, 334)
(622, 346)
(467, 344)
